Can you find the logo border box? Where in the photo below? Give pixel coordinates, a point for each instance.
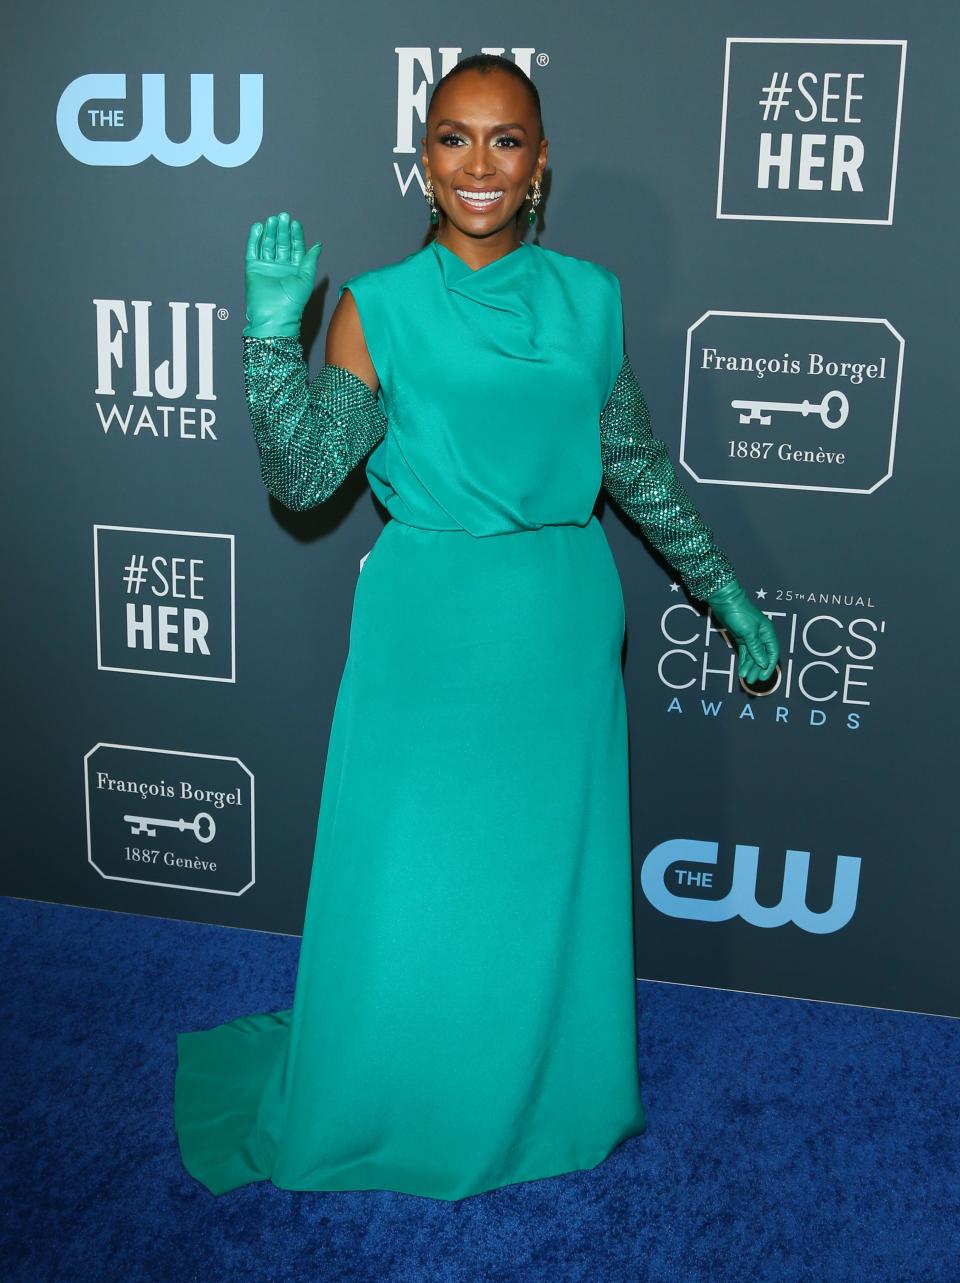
(808, 40)
(158, 530)
(177, 752)
(792, 316)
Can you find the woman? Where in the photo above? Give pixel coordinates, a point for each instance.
(463, 1016)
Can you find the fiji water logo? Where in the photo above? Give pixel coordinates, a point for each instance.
(658, 878)
(138, 398)
(85, 99)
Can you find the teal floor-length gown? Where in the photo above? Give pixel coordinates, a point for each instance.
(464, 1010)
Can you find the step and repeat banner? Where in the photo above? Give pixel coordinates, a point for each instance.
(775, 186)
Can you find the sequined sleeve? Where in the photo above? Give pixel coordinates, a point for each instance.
(639, 476)
(310, 435)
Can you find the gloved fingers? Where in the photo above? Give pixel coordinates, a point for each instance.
(253, 242)
(747, 671)
(761, 658)
(283, 238)
(268, 246)
(755, 651)
(296, 242)
(768, 637)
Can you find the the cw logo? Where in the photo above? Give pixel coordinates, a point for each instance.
(152, 139)
(741, 899)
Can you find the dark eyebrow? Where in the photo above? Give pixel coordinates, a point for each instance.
(512, 124)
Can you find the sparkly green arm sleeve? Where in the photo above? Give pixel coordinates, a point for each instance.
(310, 436)
(638, 474)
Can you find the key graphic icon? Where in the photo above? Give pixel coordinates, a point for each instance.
(761, 411)
(149, 825)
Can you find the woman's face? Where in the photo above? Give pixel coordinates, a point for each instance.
(483, 135)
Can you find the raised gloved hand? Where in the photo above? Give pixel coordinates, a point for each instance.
(310, 434)
(750, 630)
(279, 277)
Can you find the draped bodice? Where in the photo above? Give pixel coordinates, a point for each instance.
(493, 381)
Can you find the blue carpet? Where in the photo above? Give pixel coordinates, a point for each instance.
(787, 1141)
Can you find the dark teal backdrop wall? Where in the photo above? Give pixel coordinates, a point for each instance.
(776, 187)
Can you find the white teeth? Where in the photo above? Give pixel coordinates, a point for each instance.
(478, 198)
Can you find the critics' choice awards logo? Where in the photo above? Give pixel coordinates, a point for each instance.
(810, 130)
(95, 130)
(829, 649)
(165, 602)
(141, 398)
(674, 881)
(417, 70)
(791, 402)
(168, 818)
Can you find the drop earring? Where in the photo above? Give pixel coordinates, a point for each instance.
(534, 202)
(434, 212)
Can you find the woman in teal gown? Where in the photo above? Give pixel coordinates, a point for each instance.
(464, 1010)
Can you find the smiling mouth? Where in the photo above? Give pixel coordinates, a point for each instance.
(477, 200)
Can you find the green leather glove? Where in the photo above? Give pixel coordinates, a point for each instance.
(639, 475)
(279, 277)
(750, 630)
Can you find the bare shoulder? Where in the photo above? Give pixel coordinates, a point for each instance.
(368, 294)
(346, 345)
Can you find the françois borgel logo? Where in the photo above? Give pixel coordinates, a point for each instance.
(791, 402)
(169, 400)
(810, 129)
(168, 818)
(416, 71)
(99, 125)
(676, 889)
(165, 602)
